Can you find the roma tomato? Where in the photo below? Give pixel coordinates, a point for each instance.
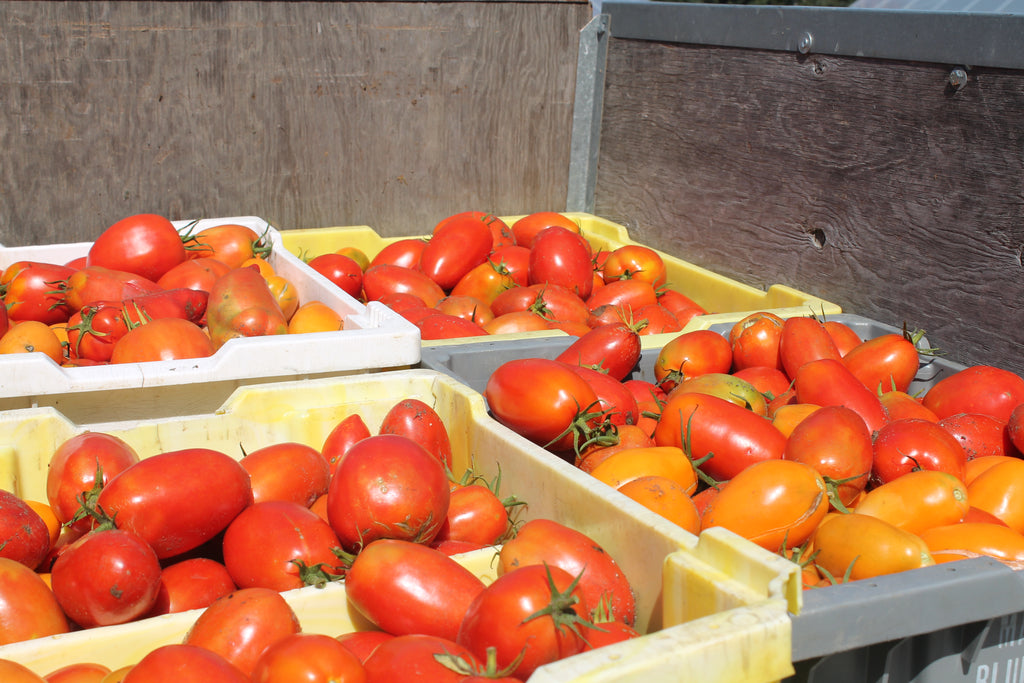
(953, 542)
(755, 341)
(420, 657)
(623, 437)
(28, 608)
(769, 381)
(804, 340)
(729, 387)
(531, 616)
(242, 305)
(196, 273)
(526, 228)
(656, 319)
(404, 253)
(466, 307)
(311, 657)
(547, 542)
(885, 363)
(843, 335)
(979, 389)
(999, 490)
(106, 577)
(617, 300)
(387, 486)
(24, 536)
(514, 261)
(183, 662)
(418, 421)
(81, 672)
(241, 625)
(13, 672)
(834, 441)
(827, 382)
(384, 278)
(634, 262)
(562, 257)
(681, 306)
(475, 515)
(616, 402)
(287, 471)
(516, 322)
(178, 500)
(77, 466)
(280, 545)
(862, 547)
(917, 501)
(145, 244)
(900, 405)
(342, 271)
(776, 504)
(665, 497)
(446, 326)
(342, 436)
(906, 445)
(96, 283)
(433, 589)
(692, 354)
(614, 349)
(458, 244)
(627, 465)
(192, 583)
(230, 244)
(485, 282)
(363, 643)
(980, 435)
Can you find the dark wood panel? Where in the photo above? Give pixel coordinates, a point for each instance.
(307, 114)
(872, 184)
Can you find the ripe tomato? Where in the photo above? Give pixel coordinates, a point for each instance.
(382, 279)
(776, 504)
(621, 298)
(905, 445)
(787, 417)
(804, 340)
(729, 387)
(560, 256)
(231, 244)
(980, 435)
(979, 389)
(467, 307)
(342, 436)
(885, 363)
(287, 471)
(420, 657)
(681, 306)
(755, 341)
(242, 304)
(404, 253)
(416, 420)
(281, 545)
(144, 244)
(769, 381)
(551, 301)
(387, 486)
(183, 662)
(446, 326)
(363, 643)
(542, 400)
(827, 382)
(547, 542)
(24, 536)
(34, 292)
(516, 322)
(917, 501)
(665, 497)
(900, 405)
(623, 437)
(81, 672)
(178, 500)
(834, 441)
(163, 339)
(862, 547)
(656, 319)
(1015, 427)
(514, 261)
(626, 465)
(342, 271)
(106, 577)
(458, 244)
(433, 589)
(616, 402)
(999, 490)
(241, 625)
(692, 354)
(315, 316)
(843, 335)
(475, 515)
(356, 254)
(311, 657)
(614, 349)
(527, 227)
(968, 539)
(76, 466)
(636, 262)
(195, 273)
(13, 672)
(28, 608)
(192, 583)
(485, 282)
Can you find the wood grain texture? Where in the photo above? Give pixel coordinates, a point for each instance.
(871, 184)
(307, 114)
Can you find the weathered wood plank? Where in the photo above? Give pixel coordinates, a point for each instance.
(872, 184)
(308, 114)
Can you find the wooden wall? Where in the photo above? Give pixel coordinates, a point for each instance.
(872, 184)
(307, 114)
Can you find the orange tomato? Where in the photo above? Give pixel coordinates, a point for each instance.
(261, 264)
(788, 416)
(999, 490)
(667, 498)
(81, 672)
(13, 672)
(31, 335)
(774, 503)
(968, 539)
(627, 435)
(285, 294)
(53, 525)
(917, 501)
(977, 466)
(861, 546)
(901, 405)
(665, 461)
(117, 675)
(315, 316)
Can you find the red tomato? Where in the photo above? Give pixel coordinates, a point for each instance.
(615, 349)
(900, 405)
(195, 273)
(310, 657)
(516, 322)
(731, 438)
(418, 421)
(614, 401)
(280, 545)
(81, 672)
(163, 339)
(692, 354)
(601, 581)
(682, 307)
(625, 296)
(419, 657)
(387, 486)
(287, 471)
(382, 279)
(885, 363)
(178, 500)
(404, 253)
(363, 643)
(24, 536)
(401, 301)
(183, 662)
(241, 625)
(980, 389)
(144, 244)
(230, 244)
(433, 589)
(467, 307)
(804, 340)
(656, 319)
(634, 262)
(906, 445)
(843, 335)
(755, 341)
(485, 282)
(513, 260)
(28, 608)
(76, 466)
(771, 382)
(980, 435)
(35, 291)
(475, 515)
(834, 441)
(96, 283)
(917, 500)
(348, 431)
(1015, 427)
(562, 257)
(551, 301)
(445, 326)
(458, 244)
(527, 616)
(242, 305)
(193, 583)
(106, 577)
(543, 401)
(527, 227)
(341, 270)
(827, 382)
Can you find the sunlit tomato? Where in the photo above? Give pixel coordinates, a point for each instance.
(843, 335)
(526, 615)
(516, 322)
(458, 244)
(356, 254)
(192, 583)
(315, 316)
(885, 363)
(177, 500)
(418, 421)
(615, 401)
(287, 471)
(32, 336)
(348, 431)
(656, 319)
(787, 417)
(512, 261)
(834, 441)
(310, 657)
(755, 341)
(771, 382)
(342, 271)
(613, 348)
(405, 253)
(636, 262)
(681, 306)
(242, 624)
(980, 435)
(106, 577)
(665, 497)
(979, 389)
(163, 339)
(729, 387)
(720, 435)
(527, 227)
(363, 643)
(541, 400)
(197, 273)
(285, 294)
(551, 301)
(624, 437)
(281, 545)
(999, 490)
(804, 340)
(382, 279)
(775, 504)
(419, 657)
(35, 292)
(28, 608)
(46, 513)
(76, 466)
(466, 307)
(827, 382)
(387, 486)
(231, 244)
(621, 297)
(900, 405)
(861, 547)
(1015, 427)
(917, 500)
(475, 515)
(144, 244)
(24, 536)
(968, 539)
(400, 301)
(626, 465)
(905, 445)
(183, 662)
(81, 672)
(976, 466)
(692, 354)
(485, 282)
(446, 326)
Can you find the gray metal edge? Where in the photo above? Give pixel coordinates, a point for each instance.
(952, 38)
(586, 115)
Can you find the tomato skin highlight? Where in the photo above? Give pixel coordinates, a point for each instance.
(562, 257)
(458, 244)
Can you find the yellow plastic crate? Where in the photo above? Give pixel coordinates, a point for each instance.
(726, 300)
(701, 601)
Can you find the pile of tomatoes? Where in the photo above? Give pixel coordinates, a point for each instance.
(146, 292)
(476, 275)
(795, 434)
(121, 538)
